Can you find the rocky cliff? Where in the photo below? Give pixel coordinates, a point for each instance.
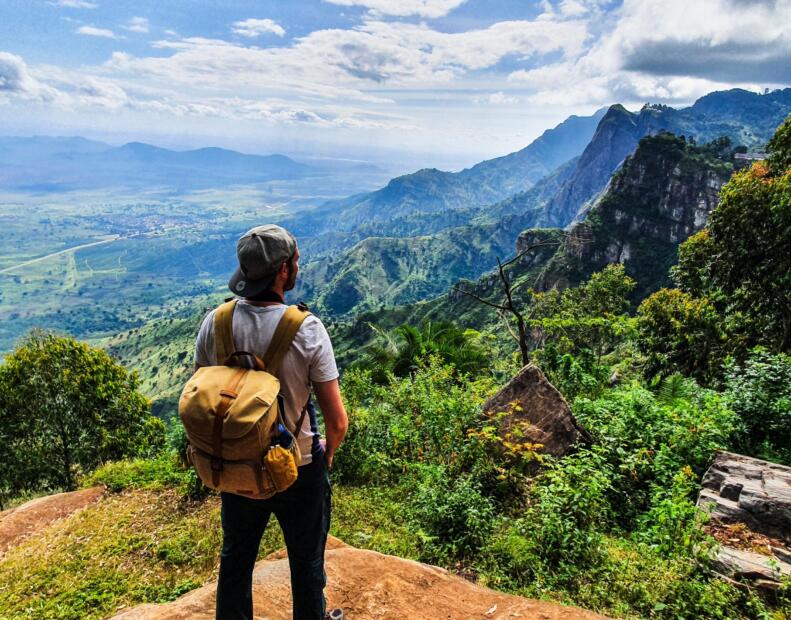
(746, 118)
(663, 194)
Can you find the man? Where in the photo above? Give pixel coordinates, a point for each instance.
(268, 266)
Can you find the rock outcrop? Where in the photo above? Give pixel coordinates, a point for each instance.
(531, 404)
(756, 493)
(663, 194)
(743, 489)
(29, 518)
(369, 585)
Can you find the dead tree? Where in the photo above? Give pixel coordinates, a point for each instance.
(508, 306)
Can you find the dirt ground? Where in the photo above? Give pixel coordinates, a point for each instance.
(18, 523)
(369, 585)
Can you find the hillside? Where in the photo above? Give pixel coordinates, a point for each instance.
(746, 118)
(384, 271)
(663, 194)
(432, 191)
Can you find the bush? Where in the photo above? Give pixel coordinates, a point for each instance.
(759, 391)
(453, 516)
(648, 438)
(423, 418)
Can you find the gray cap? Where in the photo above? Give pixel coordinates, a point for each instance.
(261, 251)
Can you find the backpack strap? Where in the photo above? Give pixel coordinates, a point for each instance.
(223, 331)
(284, 335)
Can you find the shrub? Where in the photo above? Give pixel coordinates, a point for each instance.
(759, 391)
(453, 516)
(648, 438)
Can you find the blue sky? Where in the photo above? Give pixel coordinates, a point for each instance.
(450, 81)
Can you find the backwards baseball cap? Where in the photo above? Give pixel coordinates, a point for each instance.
(261, 251)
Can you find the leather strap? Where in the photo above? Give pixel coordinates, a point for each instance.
(223, 332)
(228, 395)
(284, 335)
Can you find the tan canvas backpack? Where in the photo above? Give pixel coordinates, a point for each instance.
(231, 414)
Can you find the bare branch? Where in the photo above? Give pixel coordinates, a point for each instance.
(480, 299)
(508, 325)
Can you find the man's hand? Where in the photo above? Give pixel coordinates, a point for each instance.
(336, 422)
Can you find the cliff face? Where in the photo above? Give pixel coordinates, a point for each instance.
(663, 194)
(745, 117)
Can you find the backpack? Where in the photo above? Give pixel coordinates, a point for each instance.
(238, 441)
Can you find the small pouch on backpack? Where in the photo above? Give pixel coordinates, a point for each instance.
(282, 466)
(283, 457)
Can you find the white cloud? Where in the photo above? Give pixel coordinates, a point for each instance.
(76, 4)
(500, 98)
(672, 51)
(423, 8)
(137, 24)
(96, 32)
(256, 27)
(16, 81)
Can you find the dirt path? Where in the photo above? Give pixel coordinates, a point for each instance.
(60, 253)
(368, 586)
(18, 523)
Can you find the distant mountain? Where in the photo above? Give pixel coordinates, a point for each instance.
(385, 271)
(746, 118)
(76, 163)
(431, 191)
(663, 193)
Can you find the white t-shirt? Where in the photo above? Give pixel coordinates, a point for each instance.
(310, 358)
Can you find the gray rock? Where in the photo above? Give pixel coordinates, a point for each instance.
(743, 489)
(765, 571)
(530, 403)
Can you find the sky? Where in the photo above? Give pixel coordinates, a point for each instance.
(449, 82)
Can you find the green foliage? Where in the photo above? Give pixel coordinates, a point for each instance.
(453, 517)
(672, 526)
(681, 333)
(759, 391)
(167, 469)
(65, 408)
(423, 418)
(589, 317)
(780, 149)
(739, 268)
(573, 375)
(647, 439)
(405, 350)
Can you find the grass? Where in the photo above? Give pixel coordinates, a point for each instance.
(151, 545)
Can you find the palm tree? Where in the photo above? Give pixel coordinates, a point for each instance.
(405, 349)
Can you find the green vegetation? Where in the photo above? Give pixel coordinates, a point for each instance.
(734, 278)
(66, 408)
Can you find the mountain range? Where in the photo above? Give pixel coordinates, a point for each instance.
(637, 198)
(65, 164)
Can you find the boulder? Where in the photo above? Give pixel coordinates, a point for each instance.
(530, 409)
(765, 571)
(369, 586)
(747, 490)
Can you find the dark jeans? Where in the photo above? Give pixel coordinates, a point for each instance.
(303, 511)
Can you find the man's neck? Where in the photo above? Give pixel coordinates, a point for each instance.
(275, 292)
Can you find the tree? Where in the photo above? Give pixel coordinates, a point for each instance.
(403, 351)
(67, 407)
(734, 277)
(509, 307)
(680, 333)
(589, 317)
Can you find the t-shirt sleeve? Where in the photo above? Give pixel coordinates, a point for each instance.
(204, 343)
(321, 358)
